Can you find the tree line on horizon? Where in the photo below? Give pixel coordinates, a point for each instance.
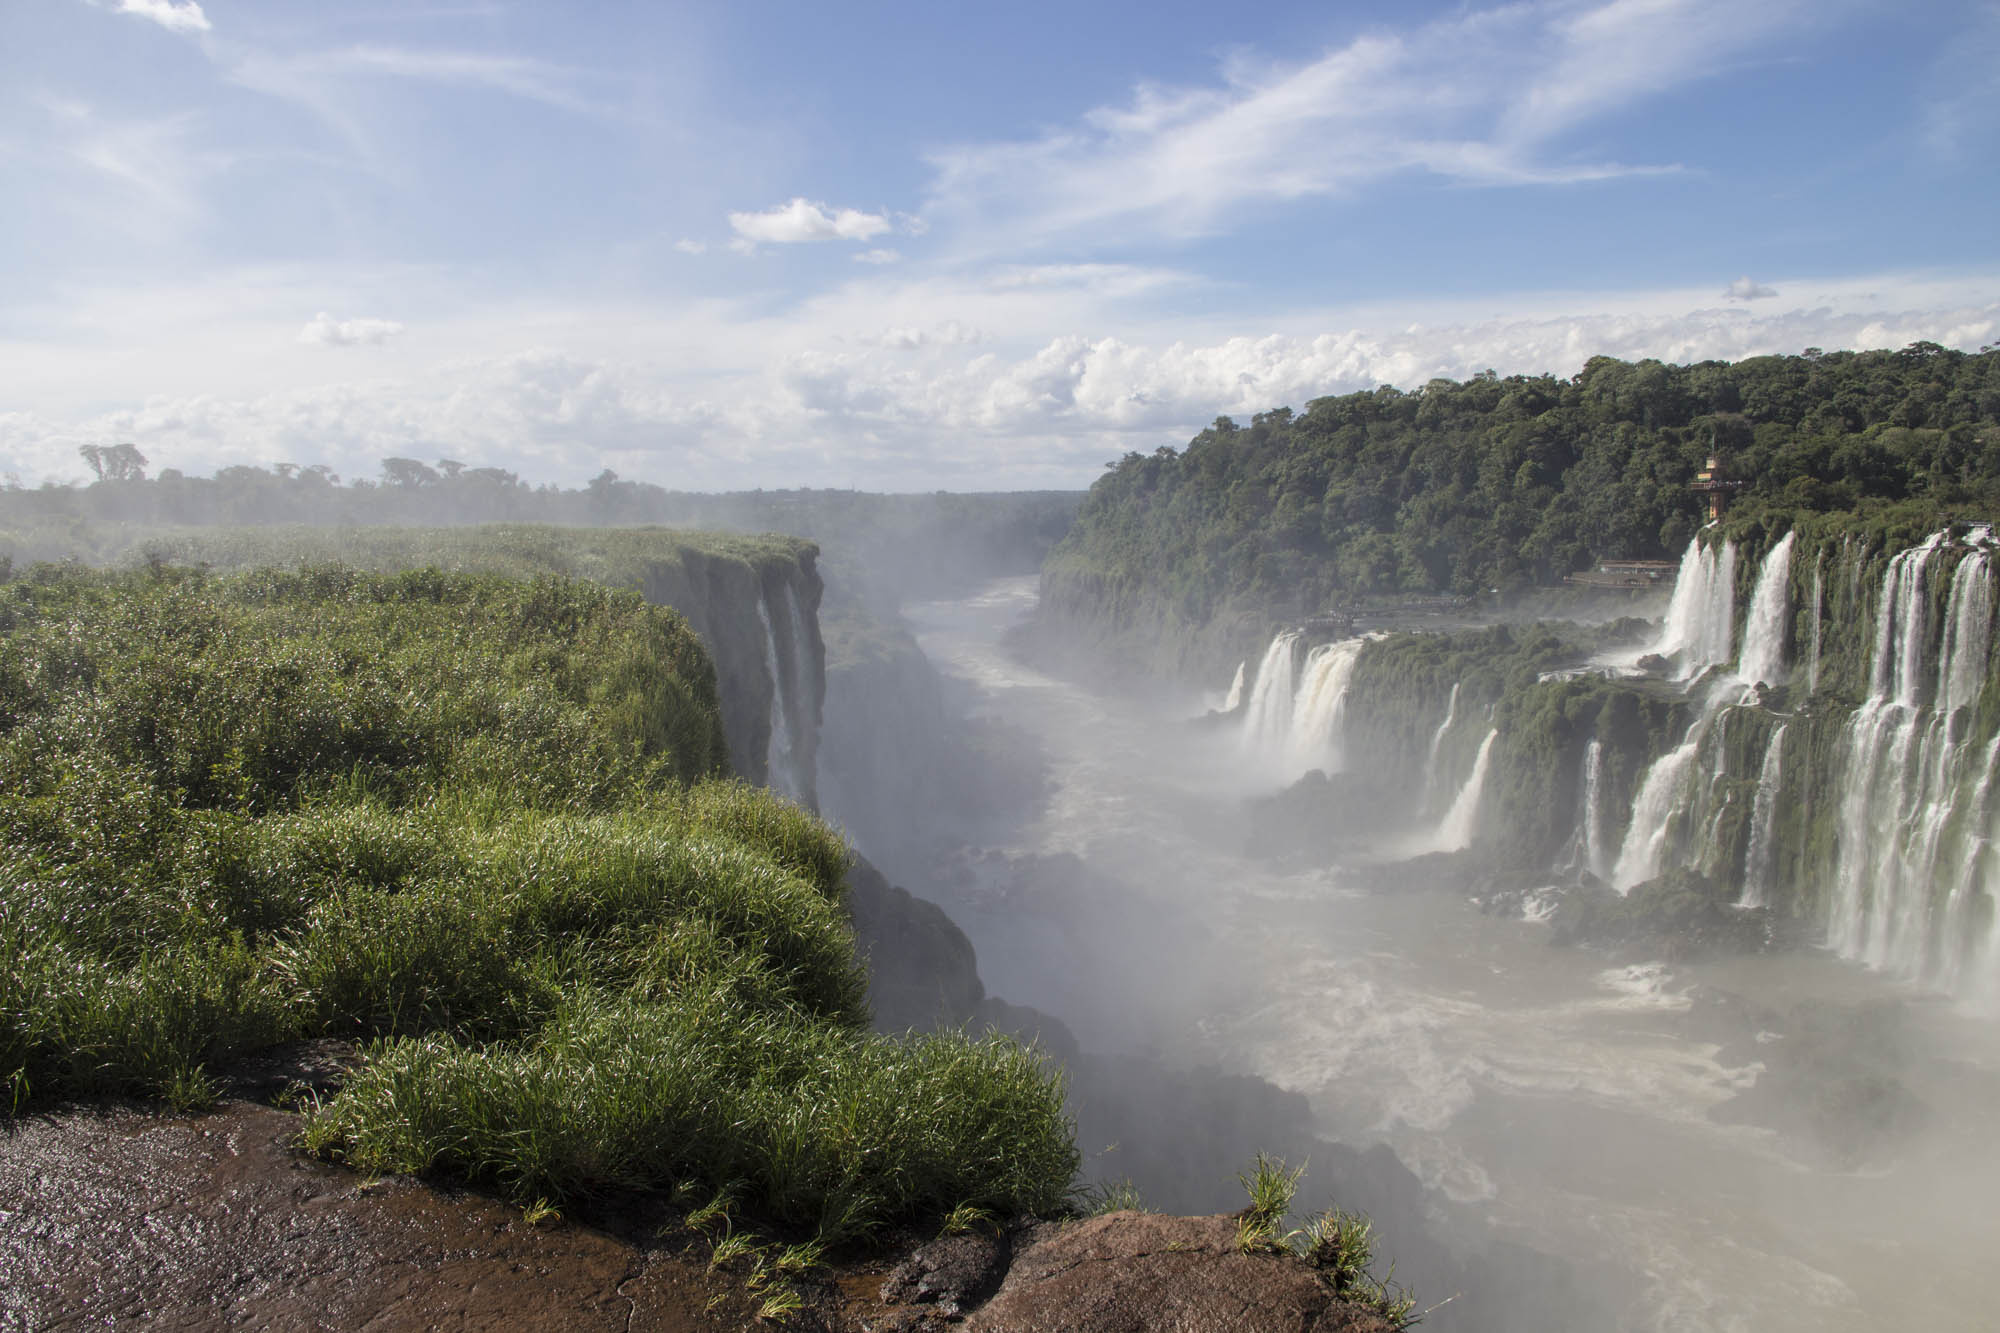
(1501, 484)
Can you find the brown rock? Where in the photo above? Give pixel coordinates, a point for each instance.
(117, 1216)
(1148, 1273)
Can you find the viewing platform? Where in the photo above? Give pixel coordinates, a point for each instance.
(1627, 575)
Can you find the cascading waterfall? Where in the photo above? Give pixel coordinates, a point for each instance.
(1322, 701)
(1437, 741)
(1590, 833)
(800, 698)
(1461, 822)
(1704, 630)
(1267, 723)
(1700, 627)
(1760, 859)
(1770, 616)
(781, 766)
(1660, 798)
(1234, 700)
(1818, 601)
(1968, 634)
(1912, 800)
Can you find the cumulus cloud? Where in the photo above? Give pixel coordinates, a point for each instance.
(326, 331)
(691, 247)
(173, 15)
(919, 405)
(803, 220)
(1746, 288)
(878, 256)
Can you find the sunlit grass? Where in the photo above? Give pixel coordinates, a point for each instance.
(476, 826)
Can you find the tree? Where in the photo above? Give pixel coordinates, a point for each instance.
(407, 473)
(116, 462)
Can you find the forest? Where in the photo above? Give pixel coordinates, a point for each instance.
(1497, 485)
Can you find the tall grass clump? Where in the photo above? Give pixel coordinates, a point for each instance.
(480, 827)
(1339, 1244)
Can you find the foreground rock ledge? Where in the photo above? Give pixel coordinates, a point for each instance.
(118, 1216)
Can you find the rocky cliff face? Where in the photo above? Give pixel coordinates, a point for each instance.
(757, 610)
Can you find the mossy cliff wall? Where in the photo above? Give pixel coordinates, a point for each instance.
(753, 600)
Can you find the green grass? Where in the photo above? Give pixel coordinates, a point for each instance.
(1339, 1244)
(478, 826)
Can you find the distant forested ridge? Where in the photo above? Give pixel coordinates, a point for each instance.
(1507, 484)
(887, 545)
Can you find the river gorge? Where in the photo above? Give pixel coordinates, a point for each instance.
(1786, 1140)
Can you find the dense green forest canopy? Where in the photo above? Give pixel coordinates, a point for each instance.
(1511, 483)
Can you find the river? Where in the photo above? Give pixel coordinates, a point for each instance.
(1547, 1096)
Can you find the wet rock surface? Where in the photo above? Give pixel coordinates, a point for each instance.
(117, 1215)
(952, 1273)
(112, 1216)
(1128, 1272)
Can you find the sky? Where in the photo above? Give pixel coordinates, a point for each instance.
(939, 246)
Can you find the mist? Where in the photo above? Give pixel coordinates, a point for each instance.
(1263, 937)
(1248, 914)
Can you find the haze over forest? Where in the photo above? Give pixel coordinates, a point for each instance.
(720, 248)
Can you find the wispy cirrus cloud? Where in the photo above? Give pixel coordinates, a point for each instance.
(1485, 98)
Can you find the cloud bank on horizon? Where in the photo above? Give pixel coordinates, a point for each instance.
(937, 253)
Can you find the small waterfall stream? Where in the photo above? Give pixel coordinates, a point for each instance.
(1234, 699)
(1461, 822)
(781, 759)
(1437, 740)
(1758, 861)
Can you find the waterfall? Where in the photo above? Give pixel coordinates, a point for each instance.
(1267, 723)
(1770, 617)
(781, 765)
(1437, 740)
(1591, 830)
(1818, 601)
(1318, 710)
(1913, 841)
(1669, 791)
(1700, 628)
(1661, 797)
(1762, 854)
(802, 699)
(1234, 700)
(1461, 822)
(1968, 634)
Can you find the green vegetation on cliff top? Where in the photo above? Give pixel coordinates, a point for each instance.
(478, 826)
(1515, 482)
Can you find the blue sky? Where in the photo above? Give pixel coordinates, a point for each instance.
(939, 246)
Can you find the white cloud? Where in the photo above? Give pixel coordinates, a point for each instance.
(878, 257)
(324, 330)
(1746, 288)
(1483, 97)
(830, 395)
(691, 247)
(173, 15)
(803, 220)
